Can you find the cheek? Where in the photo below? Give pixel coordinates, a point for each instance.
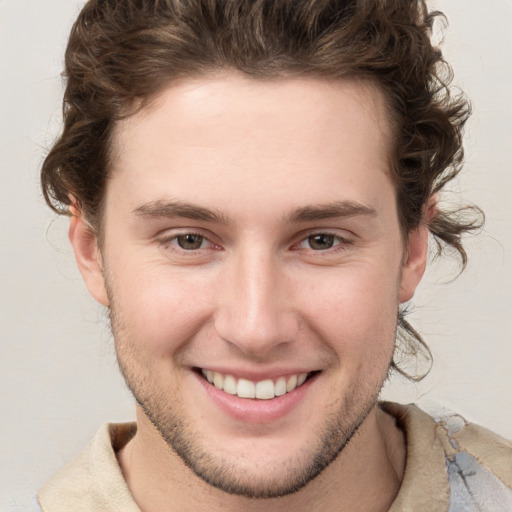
(356, 309)
(159, 310)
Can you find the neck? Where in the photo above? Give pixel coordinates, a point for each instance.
(365, 476)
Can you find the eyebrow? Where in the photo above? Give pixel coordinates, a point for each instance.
(332, 210)
(177, 209)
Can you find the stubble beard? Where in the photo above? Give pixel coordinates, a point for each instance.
(219, 472)
(222, 473)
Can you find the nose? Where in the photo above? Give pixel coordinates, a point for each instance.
(255, 307)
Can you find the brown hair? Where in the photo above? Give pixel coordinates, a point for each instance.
(121, 53)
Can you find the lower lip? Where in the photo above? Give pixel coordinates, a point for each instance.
(253, 410)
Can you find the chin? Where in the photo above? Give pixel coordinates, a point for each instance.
(249, 473)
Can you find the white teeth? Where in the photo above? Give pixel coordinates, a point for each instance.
(246, 389)
(292, 383)
(263, 390)
(230, 384)
(218, 380)
(280, 386)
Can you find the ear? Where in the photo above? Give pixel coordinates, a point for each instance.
(88, 257)
(415, 262)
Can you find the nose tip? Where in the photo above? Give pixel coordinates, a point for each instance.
(257, 333)
(255, 313)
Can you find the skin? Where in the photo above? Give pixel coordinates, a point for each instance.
(264, 168)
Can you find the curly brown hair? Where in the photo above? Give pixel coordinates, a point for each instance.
(121, 53)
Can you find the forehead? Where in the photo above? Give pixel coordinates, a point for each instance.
(202, 104)
(291, 140)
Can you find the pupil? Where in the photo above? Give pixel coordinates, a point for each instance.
(190, 241)
(321, 242)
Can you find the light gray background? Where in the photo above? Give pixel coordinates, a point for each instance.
(59, 376)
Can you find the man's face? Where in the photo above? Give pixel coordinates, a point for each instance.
(252, 239)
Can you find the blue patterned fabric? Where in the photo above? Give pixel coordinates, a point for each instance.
(472, 487)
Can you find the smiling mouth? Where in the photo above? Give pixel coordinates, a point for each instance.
(262, 390)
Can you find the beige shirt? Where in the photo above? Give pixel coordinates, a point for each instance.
(452, 466)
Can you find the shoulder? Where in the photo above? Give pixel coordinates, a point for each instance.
(461, 465)
(93, 479)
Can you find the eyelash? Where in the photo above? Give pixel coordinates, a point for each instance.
(340, 243)
(173, 240)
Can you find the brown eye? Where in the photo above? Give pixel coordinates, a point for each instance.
(321, 241)
(190, 241)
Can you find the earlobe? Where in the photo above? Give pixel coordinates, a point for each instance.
(88, 257)
(415, 262)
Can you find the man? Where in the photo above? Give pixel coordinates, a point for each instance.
(251, 187)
